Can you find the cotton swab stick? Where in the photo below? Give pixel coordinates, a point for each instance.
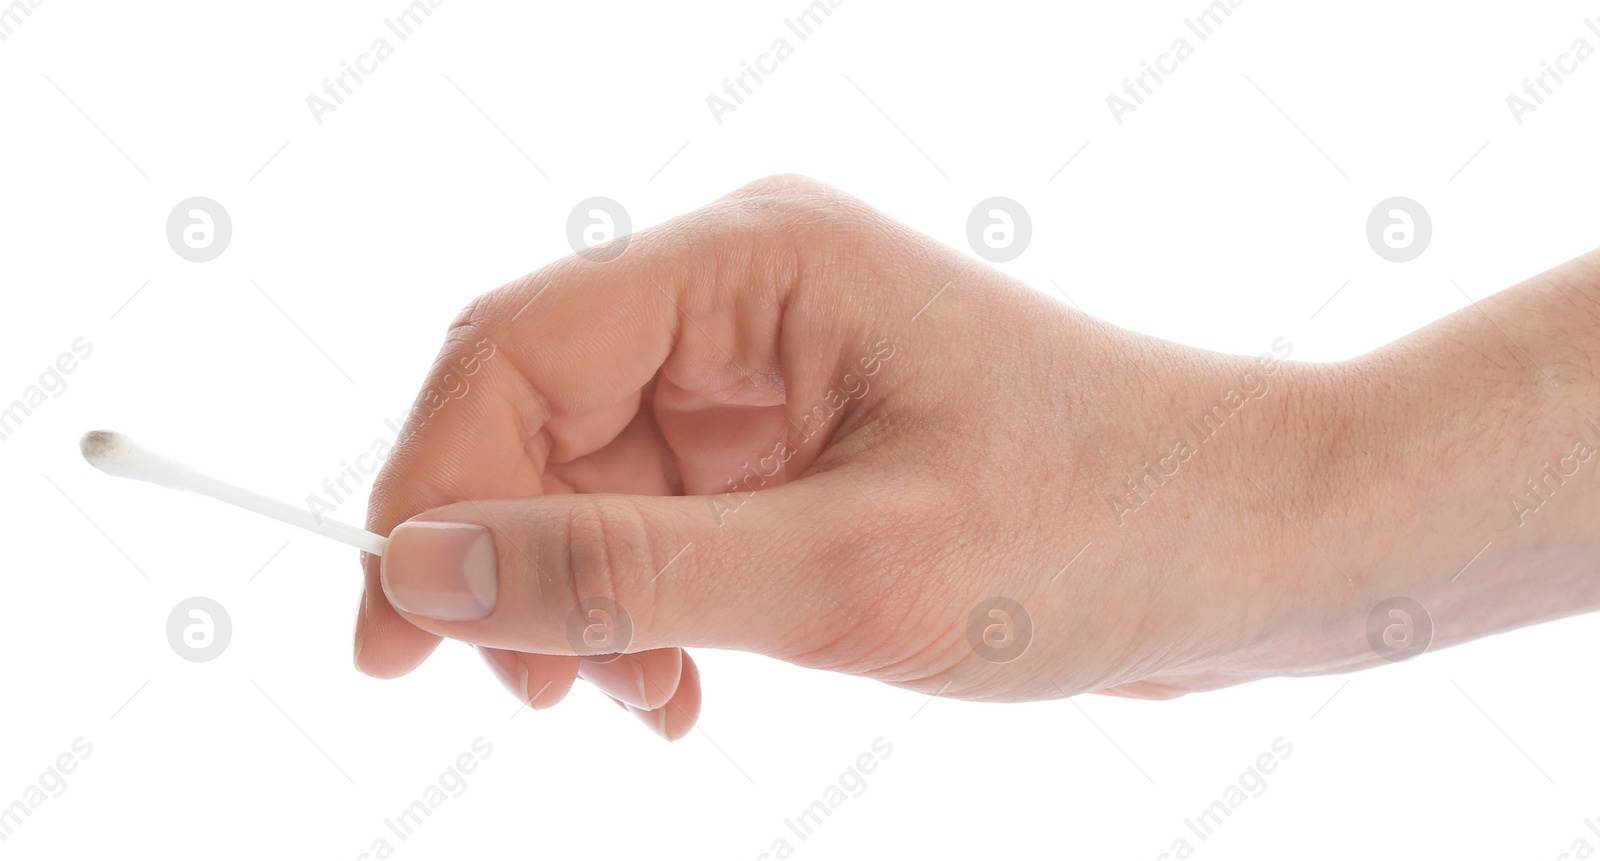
(116, 454)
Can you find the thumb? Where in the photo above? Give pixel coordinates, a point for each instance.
(584, 574)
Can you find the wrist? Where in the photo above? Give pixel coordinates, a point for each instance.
(1464, 465)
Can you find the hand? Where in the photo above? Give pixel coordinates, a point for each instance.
(789, 425)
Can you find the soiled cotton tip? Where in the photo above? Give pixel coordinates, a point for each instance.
(116, 454)
(97, 441)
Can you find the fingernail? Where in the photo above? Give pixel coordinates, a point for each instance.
(656, 720)
(509, 669)
(361, 629)
(622, 680)
(440, 570)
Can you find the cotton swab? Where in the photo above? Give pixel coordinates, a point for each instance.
(116, 454)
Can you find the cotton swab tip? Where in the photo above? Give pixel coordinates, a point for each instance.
(113, 453)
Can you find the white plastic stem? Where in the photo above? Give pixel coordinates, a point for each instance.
(118, 455)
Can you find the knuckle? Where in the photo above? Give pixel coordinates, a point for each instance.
(492, 311)
(780, 185)
(798, 204)
(890, 554)
(473, 312)
(801, 232)
(609, 552)
(892, 547)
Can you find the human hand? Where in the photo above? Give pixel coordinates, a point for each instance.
(789, 425)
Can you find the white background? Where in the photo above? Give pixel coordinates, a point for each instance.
(1223, 213)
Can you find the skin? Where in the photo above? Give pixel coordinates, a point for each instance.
(977, 459)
